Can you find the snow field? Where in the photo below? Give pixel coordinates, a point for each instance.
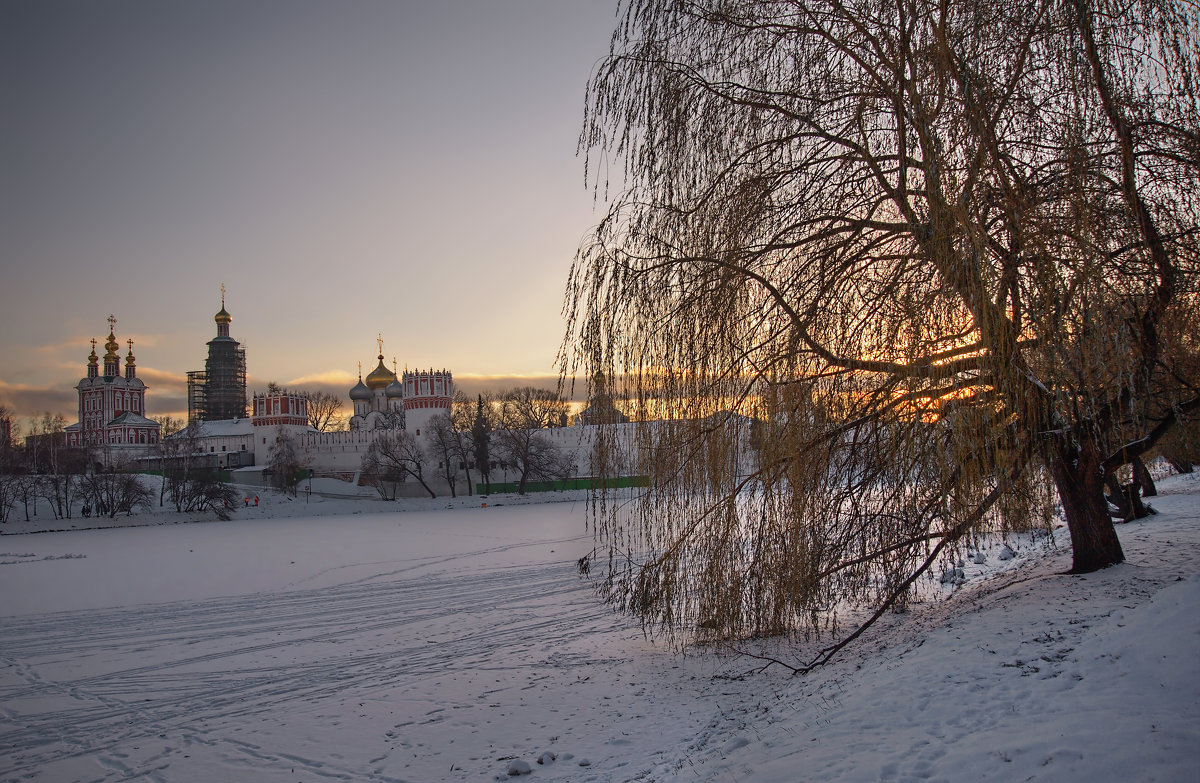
(460, 644)
(383, 647)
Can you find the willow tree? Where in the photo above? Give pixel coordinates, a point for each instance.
(881, 274)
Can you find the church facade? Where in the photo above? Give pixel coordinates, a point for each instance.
(112, 406)
(387, 401)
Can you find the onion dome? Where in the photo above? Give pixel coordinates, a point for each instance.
(395, 389)
(223, 317)
(93, 359)
(380, 377)
(111, 346)
(360, 391)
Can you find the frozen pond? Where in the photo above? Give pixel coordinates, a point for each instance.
(450, 645)
(378, 647)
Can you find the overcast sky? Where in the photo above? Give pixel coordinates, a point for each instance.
(344, 168)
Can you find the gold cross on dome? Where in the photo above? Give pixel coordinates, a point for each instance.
(380, 341)
(112, 322)
(222, 296)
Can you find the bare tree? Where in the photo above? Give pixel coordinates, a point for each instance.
(8, 426)
(9, 484)
(60, 468)
(324, 411)
(393, 457)
(375, 472)
(169, 425)
(25, 487)
(521, 441)
(192, 486)
(445, 444)
(116, 491)
(286, 463)
(941, 251)
(167, 451)
(177, 453)
(9, 464)
(205, 491)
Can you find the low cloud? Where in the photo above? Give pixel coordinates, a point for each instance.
(339, 383)
(160, 405)
(475, 384)
(329, 378)
(167, 394)
(28, 401)
(161, 379)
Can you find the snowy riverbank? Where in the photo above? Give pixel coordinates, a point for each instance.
(453, 644)
(328, 497)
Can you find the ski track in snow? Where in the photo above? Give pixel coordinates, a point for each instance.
(448, 648)
(428, 668)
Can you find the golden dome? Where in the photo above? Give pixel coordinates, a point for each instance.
(380, 377)
(223, 317)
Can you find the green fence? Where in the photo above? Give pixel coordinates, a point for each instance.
(616, 482)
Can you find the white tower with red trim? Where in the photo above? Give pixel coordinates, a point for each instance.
(426, 394)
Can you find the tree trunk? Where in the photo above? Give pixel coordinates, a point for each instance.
(1142, 476)
(421, 481)
(1094, 541)
(1181, 465)
(1127, 498)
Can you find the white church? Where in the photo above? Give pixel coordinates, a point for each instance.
(387, 401)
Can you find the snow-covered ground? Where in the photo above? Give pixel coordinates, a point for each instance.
(339, 640)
